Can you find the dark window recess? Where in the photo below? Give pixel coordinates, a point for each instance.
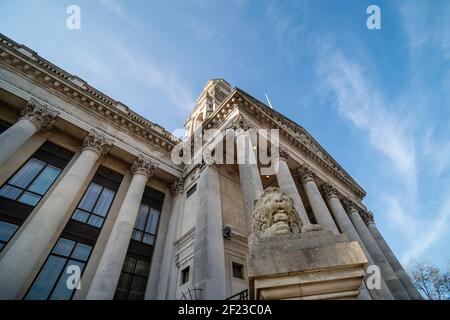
(51, 282)
(6, 232)
(98, 197)
(133, 279)
(238, 270)
(34, 178)
(191, 191)
(3, 126)
(185, 275)
(134, 276)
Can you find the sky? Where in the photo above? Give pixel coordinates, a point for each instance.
(377, 100)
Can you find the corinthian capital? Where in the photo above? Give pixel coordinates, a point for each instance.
(367, 216)
(177, 186)
(97, 142)
(350, 204)
(240, 124)
(284, 154)
(41, 115)
(304, 174)
(143, 166)
(329, 191)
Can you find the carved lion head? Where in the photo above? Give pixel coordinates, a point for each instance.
(275, 214)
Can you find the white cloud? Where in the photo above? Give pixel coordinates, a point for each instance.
(115, 7)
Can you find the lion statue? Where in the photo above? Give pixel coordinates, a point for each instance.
(275, 214)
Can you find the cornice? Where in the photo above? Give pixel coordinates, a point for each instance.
(289, 130)
(19, 58)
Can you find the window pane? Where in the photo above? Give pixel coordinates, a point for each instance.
(141, 268)
(136, 296)
(6, 230)
(29, 198)
(138, 285)
(136, 235)
(90, 196)
(152, 222)
(81, 252)
(95, 221)
(64, 247)
(10, 192)
(62, 292)
(46, 279)
(44, 180)
(124, 281)
(121, 294)
(24, 176)
(128, 265)
(104, 202)
(1, 245)
(80, 216)
(148, 238)
(142, 217)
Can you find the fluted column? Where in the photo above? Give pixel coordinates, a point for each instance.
(25, 253)
(390, 256)
(167, 264)
(34, 117)
(346, 226)
(104, 283)
(251, 185)
(288, 186)
(209, 257)
(319, 208)
(375, 252)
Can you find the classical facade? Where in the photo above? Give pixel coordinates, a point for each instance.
(90, 190)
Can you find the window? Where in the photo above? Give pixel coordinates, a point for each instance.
(238, 270)
(146, 224)
(3, 126)
(133, 279)
(185, 275)
(35, 177)
(94, 205)
(97, 199)
(6, 232)
(191, 191)
(51, 282)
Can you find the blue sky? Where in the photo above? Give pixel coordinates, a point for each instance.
(377, 100)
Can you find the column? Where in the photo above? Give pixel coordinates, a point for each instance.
(346, 226)
(251, 185)
(375, 252)
(288, 186)
(209, 256)
(167, 264)
(318, 206)
(107, 275)
(25, 254)
(34, 117)
(392, 259)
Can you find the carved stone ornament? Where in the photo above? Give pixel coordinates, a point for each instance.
(143, 166)
(41, 115)
(304, 174)
(177, 186)
(240, 124)
(283, 154)
(329, 191)
(350, 204)
(274, 214)
(97, 142)
(367, 216)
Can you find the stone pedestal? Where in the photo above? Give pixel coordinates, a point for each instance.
(313, 265)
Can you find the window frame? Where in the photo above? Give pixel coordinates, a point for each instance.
(133, 275)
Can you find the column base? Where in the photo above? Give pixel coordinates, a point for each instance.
(316, 265)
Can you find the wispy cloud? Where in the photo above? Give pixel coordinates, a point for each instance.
(115, 7)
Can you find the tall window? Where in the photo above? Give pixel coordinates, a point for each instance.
(6, 232)
(51, 282)
(35, 177)
(133, 279)
(97, 199)
(146, 224)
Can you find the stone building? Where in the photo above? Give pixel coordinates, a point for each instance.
(89, 186)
